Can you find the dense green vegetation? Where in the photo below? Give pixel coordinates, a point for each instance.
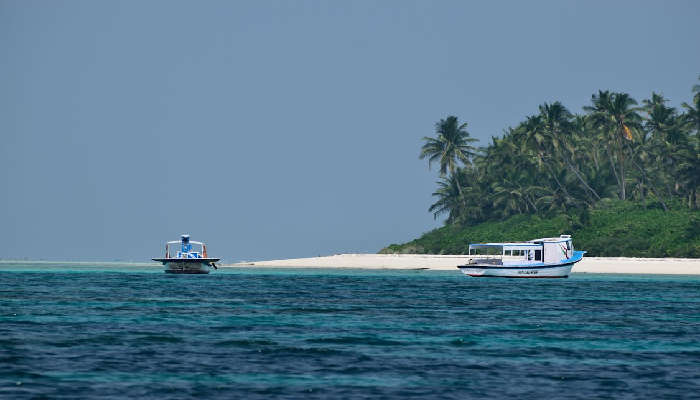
(622, 177)
(613, 228)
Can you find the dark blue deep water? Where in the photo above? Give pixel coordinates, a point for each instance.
(125, 331)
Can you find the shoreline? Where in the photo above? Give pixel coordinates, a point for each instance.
(598, 265)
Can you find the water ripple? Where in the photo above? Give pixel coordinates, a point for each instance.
(123, 331)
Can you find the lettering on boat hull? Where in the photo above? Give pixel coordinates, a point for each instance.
(559, 271)
(526, 272)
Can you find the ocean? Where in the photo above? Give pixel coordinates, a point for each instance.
(70, 330)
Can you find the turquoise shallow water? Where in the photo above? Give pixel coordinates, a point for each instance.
(123, 331)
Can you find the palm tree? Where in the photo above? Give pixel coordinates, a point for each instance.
(513, 196)
(689, 170)
(451, 146)
(452, 203)
(555, 199)
(689, 167)
(448, 201)
(692, 114)
(537, 141)
(660, 118)
(653, 155)
(557, 123)
(615, 115)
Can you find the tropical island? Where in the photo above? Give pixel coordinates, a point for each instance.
(622, 178)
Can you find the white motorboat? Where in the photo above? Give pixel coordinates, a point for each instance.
(186, 259)
(538, 258)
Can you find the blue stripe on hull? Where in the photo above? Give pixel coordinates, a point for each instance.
(515, 267)
(519, 277)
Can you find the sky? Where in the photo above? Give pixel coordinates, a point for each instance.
(279, 129)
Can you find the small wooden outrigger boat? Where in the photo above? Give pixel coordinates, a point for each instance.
(186, 260)
(538, 258)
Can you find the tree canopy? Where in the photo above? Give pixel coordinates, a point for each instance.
(556, 161)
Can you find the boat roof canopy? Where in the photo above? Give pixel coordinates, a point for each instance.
(561, 238)
(506, 246)
(178, 242)
(530, 244)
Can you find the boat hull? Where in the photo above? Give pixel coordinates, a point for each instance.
(187, 265)
(548, 271)
(186, 268)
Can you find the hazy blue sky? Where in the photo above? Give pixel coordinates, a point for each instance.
(279, 129)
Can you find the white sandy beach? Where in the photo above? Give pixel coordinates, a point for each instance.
(606, 265)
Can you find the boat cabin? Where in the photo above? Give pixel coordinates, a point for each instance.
(537, 251)
(186, 250)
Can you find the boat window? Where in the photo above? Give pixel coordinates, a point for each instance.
(538, 255)
(568, 245)
(506, 252)
(488, 251)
